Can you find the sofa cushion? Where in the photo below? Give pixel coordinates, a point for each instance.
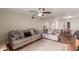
(21, 40)
(37, 36)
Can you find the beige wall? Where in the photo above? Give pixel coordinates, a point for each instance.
(14, 21)
(74, 23)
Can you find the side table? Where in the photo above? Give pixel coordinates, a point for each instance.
(3, 47)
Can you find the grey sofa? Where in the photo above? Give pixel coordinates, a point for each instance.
(19, 38)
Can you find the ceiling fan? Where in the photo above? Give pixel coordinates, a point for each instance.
(40, 12)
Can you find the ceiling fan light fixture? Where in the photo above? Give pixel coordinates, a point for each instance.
(39, 14)
(41, 10)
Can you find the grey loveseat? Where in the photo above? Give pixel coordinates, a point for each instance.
(19, 38)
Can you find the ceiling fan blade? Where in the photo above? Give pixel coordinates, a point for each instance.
(33, 11)
(47, 12)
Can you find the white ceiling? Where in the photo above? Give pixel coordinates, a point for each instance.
(57, 12)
